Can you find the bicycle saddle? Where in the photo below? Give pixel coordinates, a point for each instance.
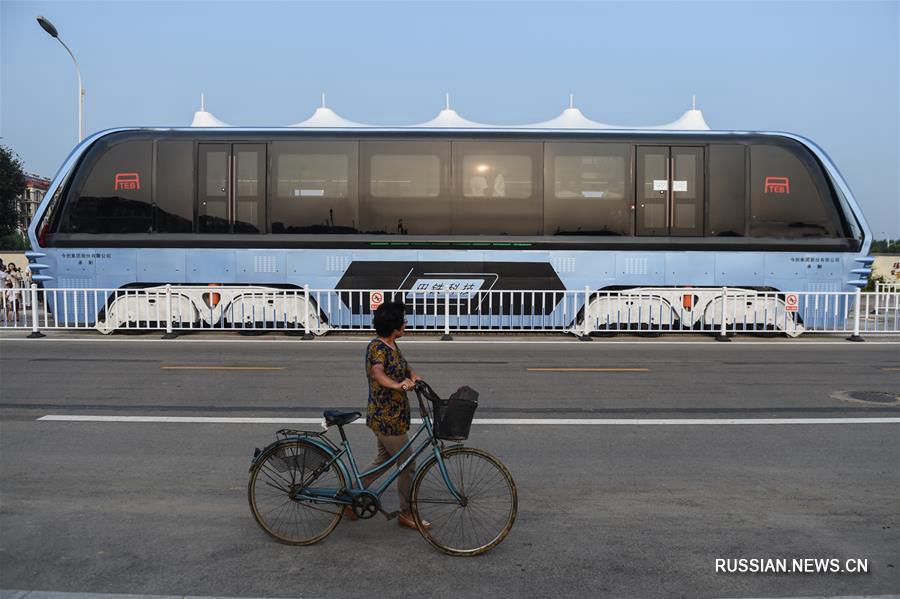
(334, 417)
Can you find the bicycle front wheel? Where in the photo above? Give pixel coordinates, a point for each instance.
(483, 515)
(275, 492)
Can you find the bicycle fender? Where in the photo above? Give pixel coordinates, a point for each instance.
(258, 452)
(312, 441)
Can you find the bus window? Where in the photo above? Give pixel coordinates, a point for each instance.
(214, 189)
(784, 198)
(405, 187)
(727, 191)
(173, 196)
(589, 190)
(687, 196)
(652, 206)
(314, 187)
(249, 188)
(115, 196)
(497, 188)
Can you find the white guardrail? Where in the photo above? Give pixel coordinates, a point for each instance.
(723, 311)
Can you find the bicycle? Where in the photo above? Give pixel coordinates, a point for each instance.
(298, 487)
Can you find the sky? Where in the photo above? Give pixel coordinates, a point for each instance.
(826, 70)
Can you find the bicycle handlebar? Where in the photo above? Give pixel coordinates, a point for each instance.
(423, 388)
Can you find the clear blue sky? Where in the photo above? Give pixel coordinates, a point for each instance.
(827, 70)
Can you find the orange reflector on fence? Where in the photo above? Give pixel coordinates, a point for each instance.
(214, 298)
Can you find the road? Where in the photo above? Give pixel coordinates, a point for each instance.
(695, 451)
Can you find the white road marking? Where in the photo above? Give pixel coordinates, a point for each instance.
(484, 421)
(830, 597)
(15, 594)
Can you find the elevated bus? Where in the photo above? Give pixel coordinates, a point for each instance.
(672, 215)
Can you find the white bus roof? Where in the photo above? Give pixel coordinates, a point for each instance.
(570, 118)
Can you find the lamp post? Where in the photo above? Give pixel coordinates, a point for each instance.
(49, 28)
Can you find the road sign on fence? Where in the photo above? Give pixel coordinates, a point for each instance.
(790, 302)
(376, 299)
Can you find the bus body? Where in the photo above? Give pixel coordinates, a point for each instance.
(430, 209)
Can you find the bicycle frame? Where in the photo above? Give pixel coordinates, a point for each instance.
(337, 497)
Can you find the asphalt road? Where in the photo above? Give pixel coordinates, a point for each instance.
(617, 510)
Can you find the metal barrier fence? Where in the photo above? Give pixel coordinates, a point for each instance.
(887, 288)
(585, 313)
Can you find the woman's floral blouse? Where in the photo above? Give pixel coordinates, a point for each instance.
(388, 412)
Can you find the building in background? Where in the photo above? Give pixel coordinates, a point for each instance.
(35, 188)
(887, 268)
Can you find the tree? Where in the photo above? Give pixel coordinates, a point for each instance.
(885, 246)
(12, 186)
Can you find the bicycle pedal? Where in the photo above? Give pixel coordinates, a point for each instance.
(390, 516)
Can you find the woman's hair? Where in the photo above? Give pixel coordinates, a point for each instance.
(388, 318)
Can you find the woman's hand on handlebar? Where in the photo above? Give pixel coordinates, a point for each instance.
(407, 385)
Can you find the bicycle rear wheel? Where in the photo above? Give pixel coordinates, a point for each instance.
(484, 516)
(275, 481)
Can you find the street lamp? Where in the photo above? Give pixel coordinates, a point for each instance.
(49, 28)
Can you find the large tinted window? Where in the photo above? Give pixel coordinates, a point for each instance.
(588, 189)
(173, 197)
(115, 195)
(405, 187)
(249, 183)
(497, 188)
(785, 198)
(314, 187)
(727, 191)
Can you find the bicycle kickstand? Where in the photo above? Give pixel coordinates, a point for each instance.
(389, 515)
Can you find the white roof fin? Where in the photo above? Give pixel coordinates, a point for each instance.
(206, 119)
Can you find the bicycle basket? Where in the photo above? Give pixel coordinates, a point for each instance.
(453, 416)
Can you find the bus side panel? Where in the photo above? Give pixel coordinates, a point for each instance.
(739, 270)
(697, 269)
(161, 266)
(115, 267)
(261, 267)
(577, 270)
(640, 269)
(211, 266)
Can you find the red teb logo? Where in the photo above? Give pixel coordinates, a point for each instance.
(777, 185)
(127, 181)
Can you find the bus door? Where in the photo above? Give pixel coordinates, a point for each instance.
(669, 191)
(231, 194)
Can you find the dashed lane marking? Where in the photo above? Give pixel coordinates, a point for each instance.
(221, 367)
(481, 421)
(588, 369)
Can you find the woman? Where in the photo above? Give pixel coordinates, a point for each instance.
(11, 301)
(15, 274)
(390, 377)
